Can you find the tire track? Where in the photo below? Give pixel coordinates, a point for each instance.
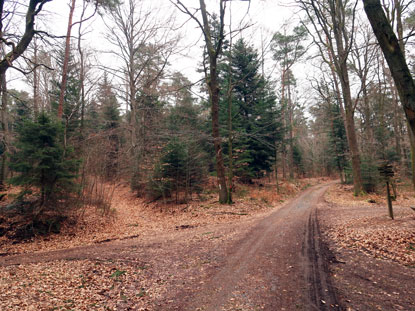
(272, 245)
(317, 256)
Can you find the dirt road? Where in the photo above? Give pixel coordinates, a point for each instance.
(272, 262)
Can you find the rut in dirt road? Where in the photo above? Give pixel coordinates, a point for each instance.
(278, 265)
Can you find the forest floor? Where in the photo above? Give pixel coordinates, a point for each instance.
(374, 257)
(132, 217)
(322, 250)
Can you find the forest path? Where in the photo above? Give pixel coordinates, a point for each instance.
(271, 262)
(279, 264)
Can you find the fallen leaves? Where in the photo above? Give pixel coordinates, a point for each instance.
(72, 285)
(128, 283)
(133, 217)
(365, 226)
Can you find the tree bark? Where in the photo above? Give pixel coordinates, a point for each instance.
(5, 129)
(284, 124)
(66, 60)
(35, 81)
(33, 8)
(329, 20)
(290, 134)
(214, 90)
(343, 74)
(395, 58)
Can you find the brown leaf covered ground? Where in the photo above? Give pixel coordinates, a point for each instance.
(131, 216)
(366, 226)
(128, 277)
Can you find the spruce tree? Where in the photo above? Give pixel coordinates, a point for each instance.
(44, 167)
(110, 123)
(254, 113)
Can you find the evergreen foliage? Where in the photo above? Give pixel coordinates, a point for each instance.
(19, 108)
(180, 170)
(337, 139)
(43, 166)
(298, 160)
(254, 113)
(287, 49)
(182, 167)
(109, 122)
(370, 175)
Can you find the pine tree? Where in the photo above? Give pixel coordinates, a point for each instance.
(254, 113)
(42, 162)
(110, 118)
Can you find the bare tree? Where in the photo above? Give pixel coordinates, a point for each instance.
(13, 45)
(102, 3)
(393, 49)
(333, 24)
(363, 58)
(66, 58)
(144, 43)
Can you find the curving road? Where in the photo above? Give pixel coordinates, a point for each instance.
(273, 262)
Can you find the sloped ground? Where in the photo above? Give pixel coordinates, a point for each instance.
(178, 258)
(374, 259)
(132, 217)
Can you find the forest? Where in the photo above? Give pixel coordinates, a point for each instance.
(313, 98)
(165, 154)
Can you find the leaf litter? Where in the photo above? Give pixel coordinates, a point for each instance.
(363, 225)
(142, 281)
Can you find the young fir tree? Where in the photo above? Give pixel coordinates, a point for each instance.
(110, 124)
(182, 168)
(19, 108)
(42, 163)
(254, 113)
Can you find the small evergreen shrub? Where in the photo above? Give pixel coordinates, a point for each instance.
(182, 170)
(45, 168)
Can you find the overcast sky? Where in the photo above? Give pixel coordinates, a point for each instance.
(264, 16)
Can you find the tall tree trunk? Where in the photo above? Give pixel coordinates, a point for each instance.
(395, 57)
(5, 129)
(352, 141)
(412, 148)
(276, 168)
(350, 127)
(284, 124)
(213, 86)
(220, 167)
(230, 129)
(35, 80)
(290, 134)
(230, 138)
(135, 179)
(342, 69)
(82, 72)
(66, 60)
